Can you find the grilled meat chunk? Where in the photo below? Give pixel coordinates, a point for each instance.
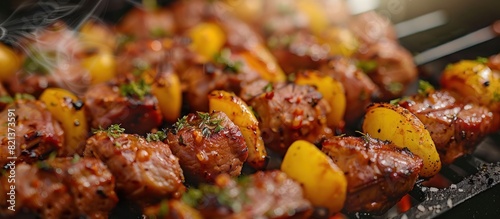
(145, 171)
(208, 145)
(261, 195)
(378, 174)
(455, 127)
(37, 133)
(298, 51)
(394, 68)
(359, 88)
(107, 105)
(62, 188)
(290, 112)
(200, 80)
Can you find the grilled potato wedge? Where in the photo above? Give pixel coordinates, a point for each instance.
(474, 81)
(68, 110)
(324, 183)
(333, 93)
(242, 116)
(398, 125)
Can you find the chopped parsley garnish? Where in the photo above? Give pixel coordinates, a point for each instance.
(395, 101)
(231, 197)
(482, 60)
(140, 66)
(394, 87)
(367, 66)
(39, 62)
(113, 131)
(158, 32)
(158, 136)
(268, 88)
(6, 99)
(364, 136)
(135, 89)
(75, 159)
(123, 40)
(181, 123)
(424, 87)
(164, 209)
(224, 58)
(23, 96)
(209, 125)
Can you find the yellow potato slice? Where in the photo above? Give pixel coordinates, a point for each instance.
(398, 125)
(323, 182)
(242, 116)
(67, 110)
(332, 91)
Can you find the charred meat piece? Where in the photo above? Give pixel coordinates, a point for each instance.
(208, 145)
(378, 174)
(200, 80)
(290, 112)
(261, 195)
(145, 171)
(359, 88)
(392, 68)
(61, 188)
(130, 104)
(298, 51)
(37, 133)
(455, 127)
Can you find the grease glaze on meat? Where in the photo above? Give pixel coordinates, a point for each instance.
(62, 188)
(145, 171)
(291, 112)
(37, 132)
(270, 194)
(378, 174)
(106, 106)
(208, 145)
(455, 127)
(360, 90)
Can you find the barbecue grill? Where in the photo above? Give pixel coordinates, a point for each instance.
(437, 33)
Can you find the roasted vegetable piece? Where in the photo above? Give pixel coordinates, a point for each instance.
(474, 81)
(100, 65)
(260, 59)
(378, 174)
(9, 61)
(242, 116)
(323, 182)
(333, 93)
(68, 109)
(166, 87)
(396, 124)
(96, 33)
(207, 39)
